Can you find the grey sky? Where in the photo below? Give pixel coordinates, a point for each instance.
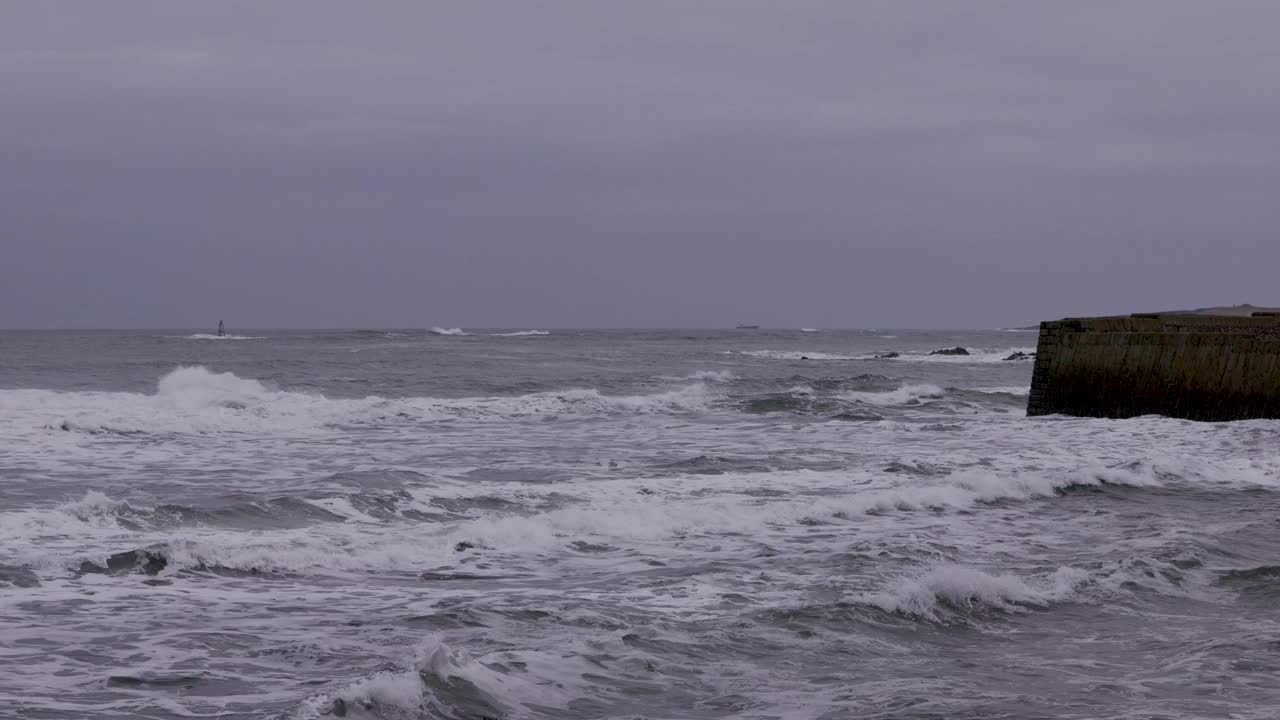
(800, 163)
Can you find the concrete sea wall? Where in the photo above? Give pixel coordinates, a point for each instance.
(1188, 366)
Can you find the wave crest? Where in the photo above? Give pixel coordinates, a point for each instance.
(966, 589)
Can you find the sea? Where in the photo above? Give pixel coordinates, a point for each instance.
(664, 524)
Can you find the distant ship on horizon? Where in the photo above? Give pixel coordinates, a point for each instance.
(747, 327)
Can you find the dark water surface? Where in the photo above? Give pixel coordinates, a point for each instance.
(615, 524)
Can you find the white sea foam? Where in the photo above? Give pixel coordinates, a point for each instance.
(521, 333)
(702, 376)
(610, 512)
(905, 395)
(207, 336)
(1006, 390)
(550, 528)
(810, 330)
(447, 331)
(624, 517)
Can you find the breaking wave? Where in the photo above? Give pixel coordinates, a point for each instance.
(520, 333)
(349, 539)
(702, 376)
(965, 590)
(905, 395)
(444, 682)
(447, 331)
(196, 400)
(207, 336)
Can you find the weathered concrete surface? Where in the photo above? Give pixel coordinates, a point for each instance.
(1199, 367)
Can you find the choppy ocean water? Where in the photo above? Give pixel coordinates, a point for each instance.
(615, 524)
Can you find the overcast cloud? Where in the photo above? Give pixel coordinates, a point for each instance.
(552, 164)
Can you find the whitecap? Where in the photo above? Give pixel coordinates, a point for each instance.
(905, 395)
(703, 376)
(967, 588)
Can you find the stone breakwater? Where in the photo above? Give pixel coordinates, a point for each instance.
(1198, 367)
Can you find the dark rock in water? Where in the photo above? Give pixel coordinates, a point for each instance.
(464, 545)
(804, 357)
(149, 560)
(888, 356)
(339, 708)
(951, 351)
(1021, 356)
(18, 577)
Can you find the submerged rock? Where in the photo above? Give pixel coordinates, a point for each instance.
(888, 356)
(1021, 356)
(951, 351)
(18, 577)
